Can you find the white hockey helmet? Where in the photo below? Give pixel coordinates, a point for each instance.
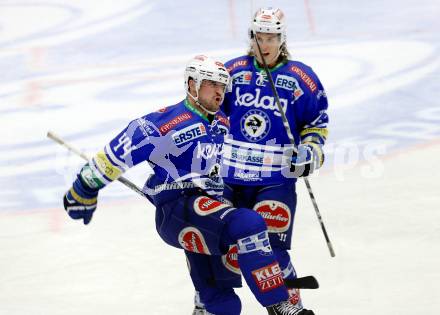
(202, 68)
(269, 20)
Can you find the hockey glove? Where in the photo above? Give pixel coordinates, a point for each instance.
(80, 201)
(308, 158)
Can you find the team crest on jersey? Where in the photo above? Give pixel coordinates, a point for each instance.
(290, 84)
(192, 240)
(276, 214)
(205, 206)
(255, 125)
(242, 77)
(189, 133)
(261, 78)
(230, 259)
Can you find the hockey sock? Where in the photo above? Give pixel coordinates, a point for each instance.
(258, 264)
(288, 273)
(286, 266)
(220, 301)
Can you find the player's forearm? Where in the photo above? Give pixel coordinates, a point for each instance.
(100, 171)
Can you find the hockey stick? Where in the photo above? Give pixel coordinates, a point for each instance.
(308, 282)
(292, 141)
(69, 147)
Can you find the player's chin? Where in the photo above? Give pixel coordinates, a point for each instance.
(214, 107)
(271, 59)
(266, 56)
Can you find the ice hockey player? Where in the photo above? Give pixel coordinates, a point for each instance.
(257, 176)
(183, 144)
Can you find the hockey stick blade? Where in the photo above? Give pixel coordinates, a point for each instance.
(308, 282)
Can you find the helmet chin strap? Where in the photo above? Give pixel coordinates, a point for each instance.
(196, 99)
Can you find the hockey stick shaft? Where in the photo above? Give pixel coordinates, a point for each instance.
(51, 135)
(292, 141)
(308, 282)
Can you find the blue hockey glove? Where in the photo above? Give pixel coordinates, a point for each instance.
(80, 201)
(308, 158)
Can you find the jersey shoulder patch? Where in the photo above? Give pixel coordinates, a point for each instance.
(168, 118)
(305, 74)
(238, 63)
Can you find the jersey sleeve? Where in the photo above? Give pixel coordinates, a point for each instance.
(130, 147)
(314, 119)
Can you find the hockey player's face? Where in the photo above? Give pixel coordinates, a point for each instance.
(211, 94)
(270, 47)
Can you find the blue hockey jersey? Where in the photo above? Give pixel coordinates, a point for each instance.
(182, 146)
(258, 150)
